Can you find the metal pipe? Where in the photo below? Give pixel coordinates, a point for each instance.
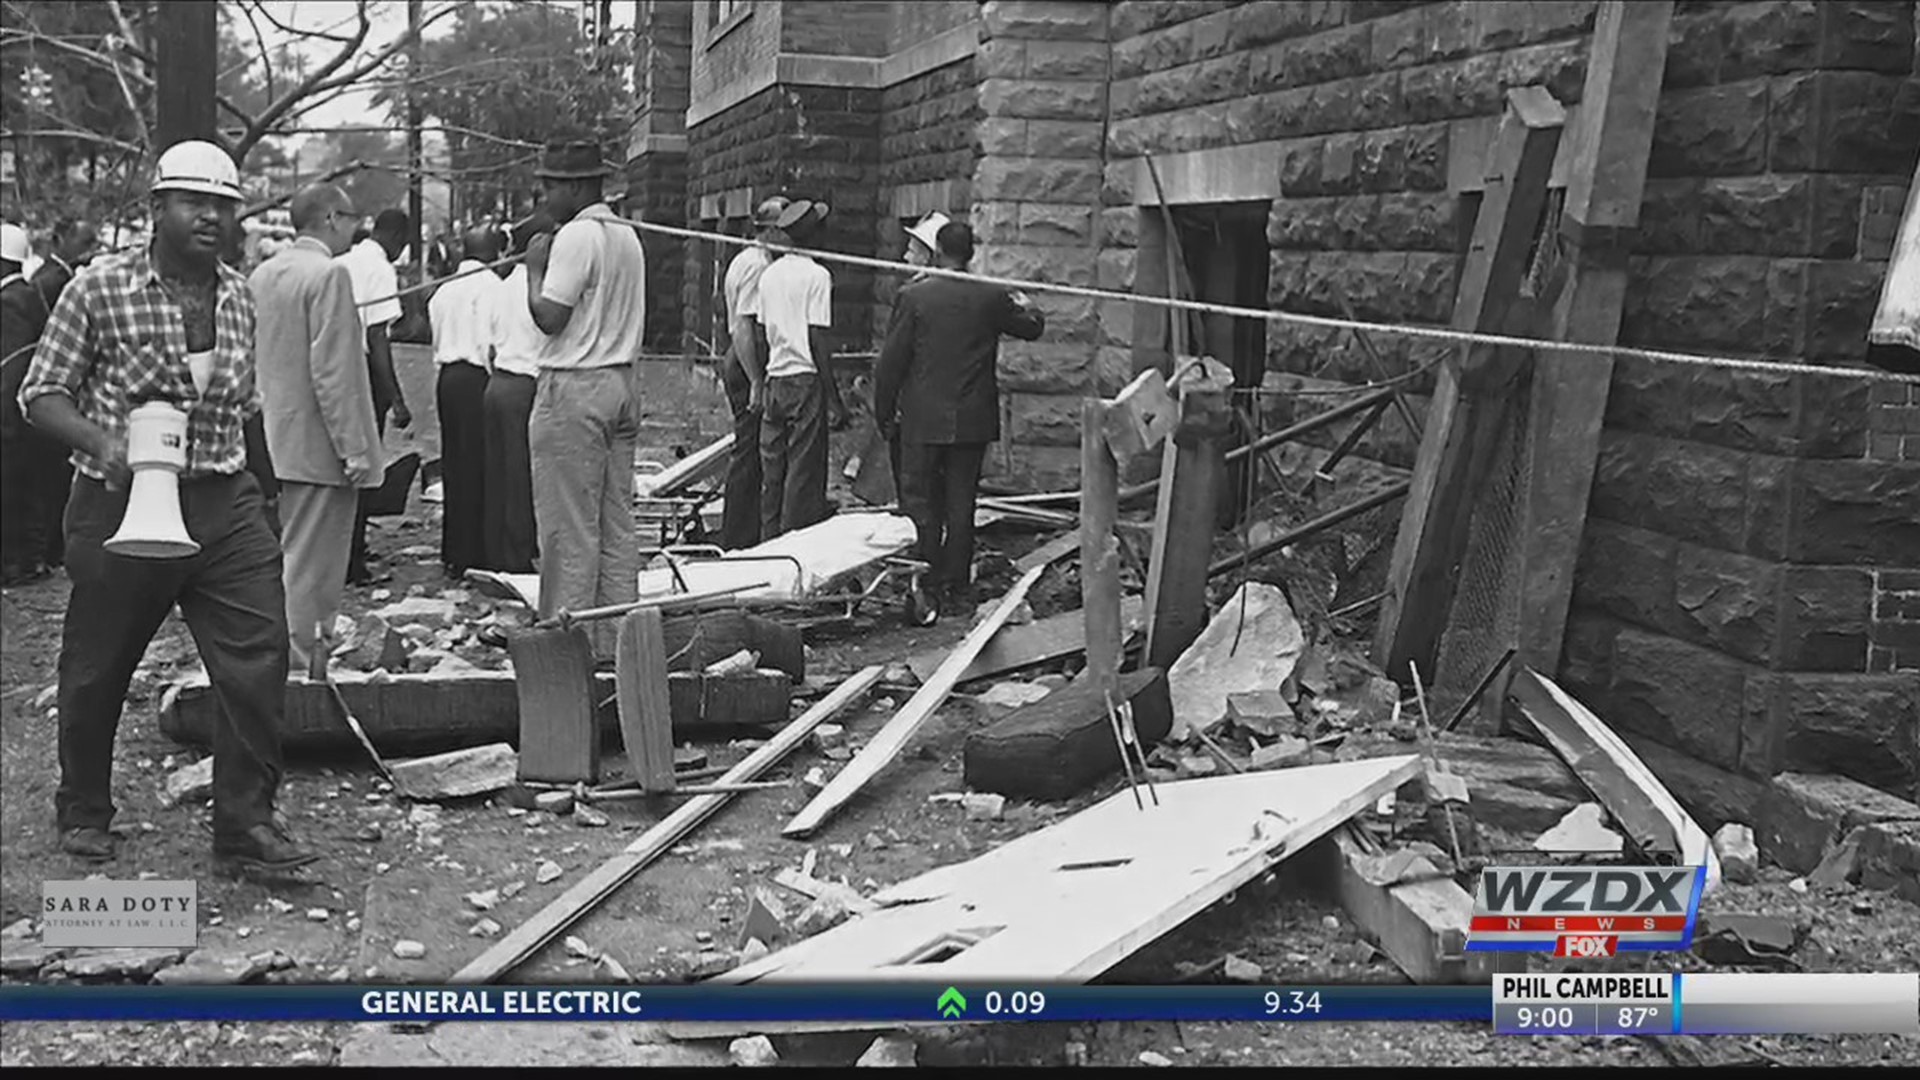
(1324, 521)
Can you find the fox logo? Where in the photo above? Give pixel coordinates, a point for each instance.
(1586, 946)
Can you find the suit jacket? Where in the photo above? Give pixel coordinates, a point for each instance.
(51, 279)
(22, 316)
(311, 357)
(938, 370)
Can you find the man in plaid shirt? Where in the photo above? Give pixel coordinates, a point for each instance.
(170, 324)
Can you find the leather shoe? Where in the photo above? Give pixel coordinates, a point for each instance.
(87, 842)
(923, 606)
(263, 847)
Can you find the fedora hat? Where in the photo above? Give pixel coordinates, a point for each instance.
(767, 214)
(572, 160)
(801, 212)
(928, 230)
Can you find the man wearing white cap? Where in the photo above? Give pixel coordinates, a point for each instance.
(170, 323)
(23, 313)
(744, 374)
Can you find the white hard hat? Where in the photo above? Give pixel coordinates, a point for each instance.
(197, 166)
(14, 246)
(928, 230)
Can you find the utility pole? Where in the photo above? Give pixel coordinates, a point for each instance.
(187, 44)
(416, 226)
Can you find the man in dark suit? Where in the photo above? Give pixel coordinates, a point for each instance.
(937, 388)
(23, 458)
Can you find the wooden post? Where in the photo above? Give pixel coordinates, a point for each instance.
(1099, 548)
(1433, 525)
(1192, 472)
(646, 714)
(1569, 400)
(187, 44)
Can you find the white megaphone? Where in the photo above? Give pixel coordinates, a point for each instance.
(157, 454)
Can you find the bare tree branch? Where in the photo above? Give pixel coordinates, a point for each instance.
(133, 105)
(285, 29)
(73, 133)
(261, 39)
(325, 178)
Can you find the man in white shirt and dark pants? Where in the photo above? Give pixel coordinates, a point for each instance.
(508, 512)
(586, 290)
(463, 318)
(376, 285)
(795, 308)
(744, 375)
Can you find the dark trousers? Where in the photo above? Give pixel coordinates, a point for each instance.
(34, 477)
(460, 395)
(938, 484)
(231, 596)
(740, 517)
(793, 455)
(260, 464)
(357, 553)
(508, 499)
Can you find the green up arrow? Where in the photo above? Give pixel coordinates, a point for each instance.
(952, 1003)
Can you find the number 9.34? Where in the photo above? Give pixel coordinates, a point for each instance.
(1293, 1002)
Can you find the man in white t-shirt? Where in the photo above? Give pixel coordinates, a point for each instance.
(586, 290)
(369, 264)
(517, 343)
(744, 374)
(795, 308)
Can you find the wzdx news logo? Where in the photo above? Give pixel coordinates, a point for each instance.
(1586, 911)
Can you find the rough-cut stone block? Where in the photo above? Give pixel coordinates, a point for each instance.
(1254, 25)
(1139, 55)
(1119, 227)
(1300, 165)
(1862, 726)
(1380, 163)
(1057, 746)
(1727, 601)
(1650, 397)
(1801, 815)
(1713, 131)
(1044, 419)
(1066, 60)
(1696, 46)
(1403, 40)
(1841, 297)
(1561, 67)
(1680, 694)
(1043, 367)
(1001, 135)
(1069, 318)
(1713, 796)
(1685, 490)
(1055, 223)
(1742, 410)
(459, 774)
(1628, 573)
(1035, 262)
(1037, 180)
(1694, 301)
(1834, 228)
(1002, 58)
(1889, 858)
(1863, 34)
(1769, 38)
(1855, 512)
(1587, 668)
(1051, 20)
(1043, 99)
(1670, 218)
(1755, 215)
(1841, 121)
(1114, 268)
(1825, 617)
(1063, 138)
(1112, 369)
(1426, 154)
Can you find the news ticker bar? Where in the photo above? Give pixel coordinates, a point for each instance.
(1709, 1003)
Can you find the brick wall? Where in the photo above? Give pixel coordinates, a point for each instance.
(657, 175)
(927, 129)
(1744, 591)
(744, 54)
(847, 28)
(919, 20)
(809, 142)
(1043, 100)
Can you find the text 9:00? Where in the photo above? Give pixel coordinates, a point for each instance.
(1549, 1018)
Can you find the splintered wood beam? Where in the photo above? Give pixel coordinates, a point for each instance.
(891, 739)
(1464, 410)
(646, 715)
(1612, 142)
(1099, 547)
(1192, 472)
(551, 921)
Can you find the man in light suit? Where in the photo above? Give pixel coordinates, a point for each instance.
(318, 403)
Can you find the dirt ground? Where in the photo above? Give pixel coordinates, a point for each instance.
(394, 872)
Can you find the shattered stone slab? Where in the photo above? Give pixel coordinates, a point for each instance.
(458, 774)
(1803, 815)
(1251, 643)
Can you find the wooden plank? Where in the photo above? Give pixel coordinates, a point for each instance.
(1099, 547)
(1044, 641)
(1647, 812)
(888, 742)
(1050, 552)
(1420, 923)
(696, 641)
(1569, 398)
(696, 468)
(646, 718)
(1433, 523)
(1068, 902)
(1192, 472)
(553, 676)
(749, 699)
(549, 922)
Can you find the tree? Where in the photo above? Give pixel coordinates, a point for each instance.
(503, 82)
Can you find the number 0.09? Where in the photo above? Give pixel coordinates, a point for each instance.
(1019, 1002)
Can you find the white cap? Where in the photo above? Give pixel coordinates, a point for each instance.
(928, 231)
(197, 166)
(14, 246)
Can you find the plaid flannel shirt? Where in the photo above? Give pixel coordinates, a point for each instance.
(118, 340)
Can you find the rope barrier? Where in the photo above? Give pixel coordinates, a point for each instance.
(1432, 333)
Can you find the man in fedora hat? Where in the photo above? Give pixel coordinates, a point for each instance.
(171, 323)
(744, 375)
(586, 290)
(794, 306)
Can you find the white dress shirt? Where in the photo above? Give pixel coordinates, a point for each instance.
(375, 283)
(517, 339)
(463, 317)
